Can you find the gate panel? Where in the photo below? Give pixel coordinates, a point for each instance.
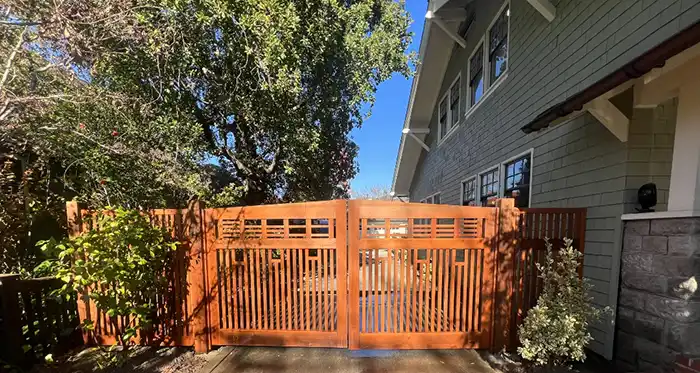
(277, 274)
(421, 276)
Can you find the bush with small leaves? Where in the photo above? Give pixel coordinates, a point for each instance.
(555, 331)
(123, 265)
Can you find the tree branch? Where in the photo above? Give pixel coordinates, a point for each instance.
(275, 160)
(8, 63)
(20, 23)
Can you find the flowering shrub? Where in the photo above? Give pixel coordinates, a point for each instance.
(124, 265)
(555, 331)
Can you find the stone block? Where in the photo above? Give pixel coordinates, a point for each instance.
(684, 287)
(624, 366)
(624, 348)
(632, 244)
(675, 265)
(632, 299)
(649, 367)
(654, 353)
(675, 227)
(646, 281)
(684, 338)
(649, 327)
(677, 310)
(688, 245)
(637, 227)
(637, 262)
(625, 319)
(655, 244)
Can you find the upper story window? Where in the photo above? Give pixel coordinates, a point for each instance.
(476, 75)
(489, 60)
(442, 117)
(517, 180)
(448, 109)
(469, 192)
(454, 102)
(498, 45)
(489, 186)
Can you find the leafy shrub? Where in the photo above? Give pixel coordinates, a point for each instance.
(123, 265)
(555, 331)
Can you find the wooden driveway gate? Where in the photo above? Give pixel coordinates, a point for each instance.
(421, 276)
(358, 274)
(277, 274)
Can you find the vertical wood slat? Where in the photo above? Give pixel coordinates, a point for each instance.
(234, 289)
(332, 283)
(411, 289)
(432, 296)
(305, 294)
(375, 292)
(421, 313)
(453, 286)
(248, 298)
(470, 290)
(279, 315)
(295, 293)
(314, 300)
(381, 290)
(394, 273)
(439, 290)
(268, 277)
(323, 290)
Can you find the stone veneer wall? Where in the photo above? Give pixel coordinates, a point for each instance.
(658, 316)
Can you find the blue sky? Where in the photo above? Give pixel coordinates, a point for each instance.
(380, 135)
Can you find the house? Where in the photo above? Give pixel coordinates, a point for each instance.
(567, 103)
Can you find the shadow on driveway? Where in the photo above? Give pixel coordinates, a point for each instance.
(320, 360)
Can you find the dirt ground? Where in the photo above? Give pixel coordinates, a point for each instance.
(144, 359)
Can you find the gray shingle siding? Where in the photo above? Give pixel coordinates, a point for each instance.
(579, 163)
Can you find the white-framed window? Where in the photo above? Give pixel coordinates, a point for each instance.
(488, 62)
(509, 179)
(469, 192)
(476, 75)
(432, 199)
(449, 111)
(517, 178)
(489, 190)
(498, 44)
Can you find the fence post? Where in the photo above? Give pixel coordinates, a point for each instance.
(196, 276)
(507, 245)
(12, 339)
(74, 221)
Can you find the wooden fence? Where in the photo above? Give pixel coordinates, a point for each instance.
(33, 321)
(173, 324)
(339, 274)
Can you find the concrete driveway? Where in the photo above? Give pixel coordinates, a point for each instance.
(321, 360)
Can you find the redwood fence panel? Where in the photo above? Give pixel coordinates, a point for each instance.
(407, 276)
(535, 226)
(174, 309)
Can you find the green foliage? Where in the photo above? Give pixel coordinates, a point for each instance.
(555, 331)
(125, 263)
(130, 96)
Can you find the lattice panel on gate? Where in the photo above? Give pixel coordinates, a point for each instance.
(421, 276)
(276, 274)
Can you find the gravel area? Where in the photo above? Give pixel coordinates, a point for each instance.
(143, 359)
